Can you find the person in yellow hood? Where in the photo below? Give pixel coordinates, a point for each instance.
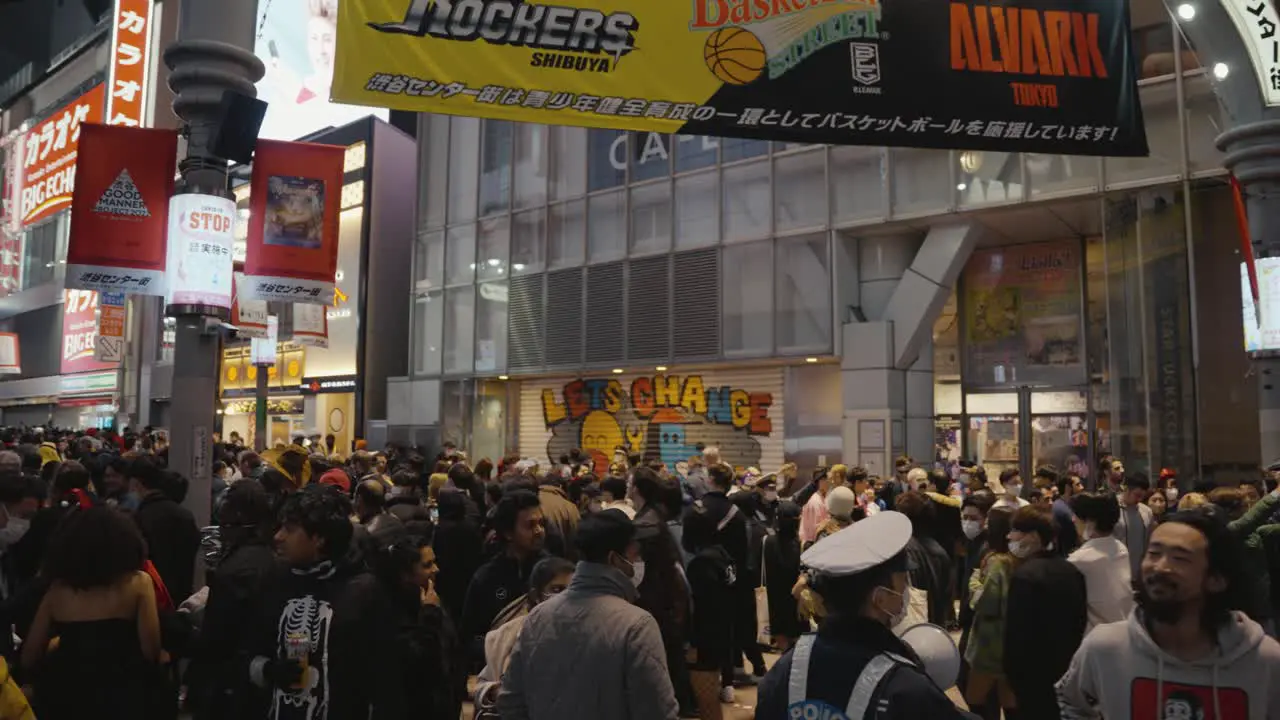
(13, 703)
(294, 461)
(49, 453)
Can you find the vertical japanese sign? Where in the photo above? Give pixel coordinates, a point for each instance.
(130, 58)
(10, 218)
(10, 359)
(292, 249)
(311, 325)
(109, 345)
(120, 212)
(262, 351)
(200, 236)
(1257, 24)
(249, 316)
(49, 157)
(79, 330)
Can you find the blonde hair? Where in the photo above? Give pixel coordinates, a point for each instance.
(838, 471)
(1191, 501)
(434, 484)
(711, 455)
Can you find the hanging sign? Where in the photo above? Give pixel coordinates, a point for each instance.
(130, 55)
(109, 345)
(120, 211)
(80, 332)
(249, 316)
(1045, 76)
(10, 219)
(200, 237)
(10, 358)
(310, 325)
(263, 351)
(49, 157)
(1257, 23)
(292, 249)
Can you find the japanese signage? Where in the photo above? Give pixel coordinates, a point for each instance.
(10, 357)
(99, 383)
(249, 316)
(109, 345)
(79, 331)
(49, 157)
(334, 384)
(11, 154)
(1258, 23)
(1023, 315)
(130, 51)
(292, 249)
(200, 237)
(310, 325)
(120, 211)
(1262, 325)
(1046, 76)
(263, 351)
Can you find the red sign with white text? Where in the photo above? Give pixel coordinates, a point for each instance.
(49, 157)
(120, 213)
(292, 249)
(130, 50)
(79, 330)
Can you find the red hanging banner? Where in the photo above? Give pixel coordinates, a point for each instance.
(294, 198)
(120, 210)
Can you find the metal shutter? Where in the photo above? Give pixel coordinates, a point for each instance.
(524, 324)
(545, 433)
(564, 319)
(605, 309)
(649, 310)
(697, 305)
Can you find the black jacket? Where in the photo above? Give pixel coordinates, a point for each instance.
(782, 569)
(1038, 652)
(495, 585)
(458, 545)
(173, 539)
(663, 591)
(732, 533)
(931, 573)
(843, 648)
(712, 577)
(350, 622)
(427, 660)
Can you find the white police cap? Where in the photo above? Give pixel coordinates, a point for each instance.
(861, 546)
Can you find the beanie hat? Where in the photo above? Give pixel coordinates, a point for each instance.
(840, 503)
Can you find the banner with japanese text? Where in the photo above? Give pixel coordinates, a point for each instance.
(291, 253)
(130, 56)
(109, 344)
(311, 325)
(1044, 76)
(249, 316)
(10, 356)
(11, 154)
(49, 157)
(79, 332)
(120, 212)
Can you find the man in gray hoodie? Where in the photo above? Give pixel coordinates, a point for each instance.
(1184, 652)
(589, 653)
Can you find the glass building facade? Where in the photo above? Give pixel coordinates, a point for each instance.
(560, 251)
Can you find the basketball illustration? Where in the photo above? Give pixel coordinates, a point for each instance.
(734, 55)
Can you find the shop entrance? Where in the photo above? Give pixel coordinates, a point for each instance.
(1026, 428)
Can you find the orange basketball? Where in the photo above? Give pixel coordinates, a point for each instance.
(735, 55)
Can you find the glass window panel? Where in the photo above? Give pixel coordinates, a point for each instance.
(464, 168)
(1160, 112)
(804, 294)
(460, 255)
(429, 261)
(698, 210)
(528, 239)
(606, 159)
(1055, 174)
(436, 190)
(991, 403)
(741, 148)
(921, 180)
(1153, 43)
(800, 191)
(531, 164)
(40, 253)
(491, 326)
(987, 178)
(568, 159)
(747, 202)
(495, 167)
(566, 228)
(857, 179)
(495, 239)
(606, 227)
(650, 156)
(651, 218)
(694, 152)
(1204, 124)
(946, 398)
(748, 299)
(428, 341)
(459, 329)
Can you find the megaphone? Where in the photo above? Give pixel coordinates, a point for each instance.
(937, 651)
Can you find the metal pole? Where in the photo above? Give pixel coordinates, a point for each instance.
(212, 55)
(260, 410)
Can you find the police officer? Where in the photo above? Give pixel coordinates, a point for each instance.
(855, 667)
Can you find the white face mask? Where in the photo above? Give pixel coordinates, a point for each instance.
(971, 528)
(637, 572)
(1172, 494)
(896, 618)
(1021, 549)
(1013, 490)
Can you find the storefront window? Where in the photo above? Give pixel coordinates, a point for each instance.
(528, 239)
(464, 168)
(531, 164)
(428, 310)
(606, 159)
(857, 177)
(568, 160)
(747, 202)
(459, 329)
(804, 295)
(495, 167)
(748, 299)
(800, 191)
(491, 326)
(566, 228)
(489, 421)
(456, 403)
(607, 227)
(651, 218)
(697, 210)
(491, 255)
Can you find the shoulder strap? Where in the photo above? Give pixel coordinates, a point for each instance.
(869, 681)
(798, 682)
(764, 544)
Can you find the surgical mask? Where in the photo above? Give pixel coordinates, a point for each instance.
(637, 571)
(1013, 490)
(1020, 549)
(1172, 494)
(971, 528)
(14, 530)
(896, 618)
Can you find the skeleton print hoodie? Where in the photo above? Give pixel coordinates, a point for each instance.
(339, 619)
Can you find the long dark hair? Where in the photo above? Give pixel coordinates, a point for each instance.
(94, 547)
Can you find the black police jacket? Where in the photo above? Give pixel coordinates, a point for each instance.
(843, 648)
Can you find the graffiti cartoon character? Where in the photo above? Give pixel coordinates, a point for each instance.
(673, 447)
(601, 435)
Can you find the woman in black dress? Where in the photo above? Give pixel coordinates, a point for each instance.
(781, 571)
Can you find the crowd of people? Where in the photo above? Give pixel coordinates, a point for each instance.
(336, 584)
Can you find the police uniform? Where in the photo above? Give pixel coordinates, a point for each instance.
(854, 668)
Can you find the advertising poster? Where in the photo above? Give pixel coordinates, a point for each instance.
(120, 211)
(249, 316)
(311, 325)
(1042, 76)
(79, 331)
(1022, 315)
(1262, 321)
(297, 42)
(130, 56)
(291, 253)
(200, 238)
(11, 154)
(10, 357)
(49, 157)
(109, 345)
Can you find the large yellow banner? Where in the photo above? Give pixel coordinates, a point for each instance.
(940, 74)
